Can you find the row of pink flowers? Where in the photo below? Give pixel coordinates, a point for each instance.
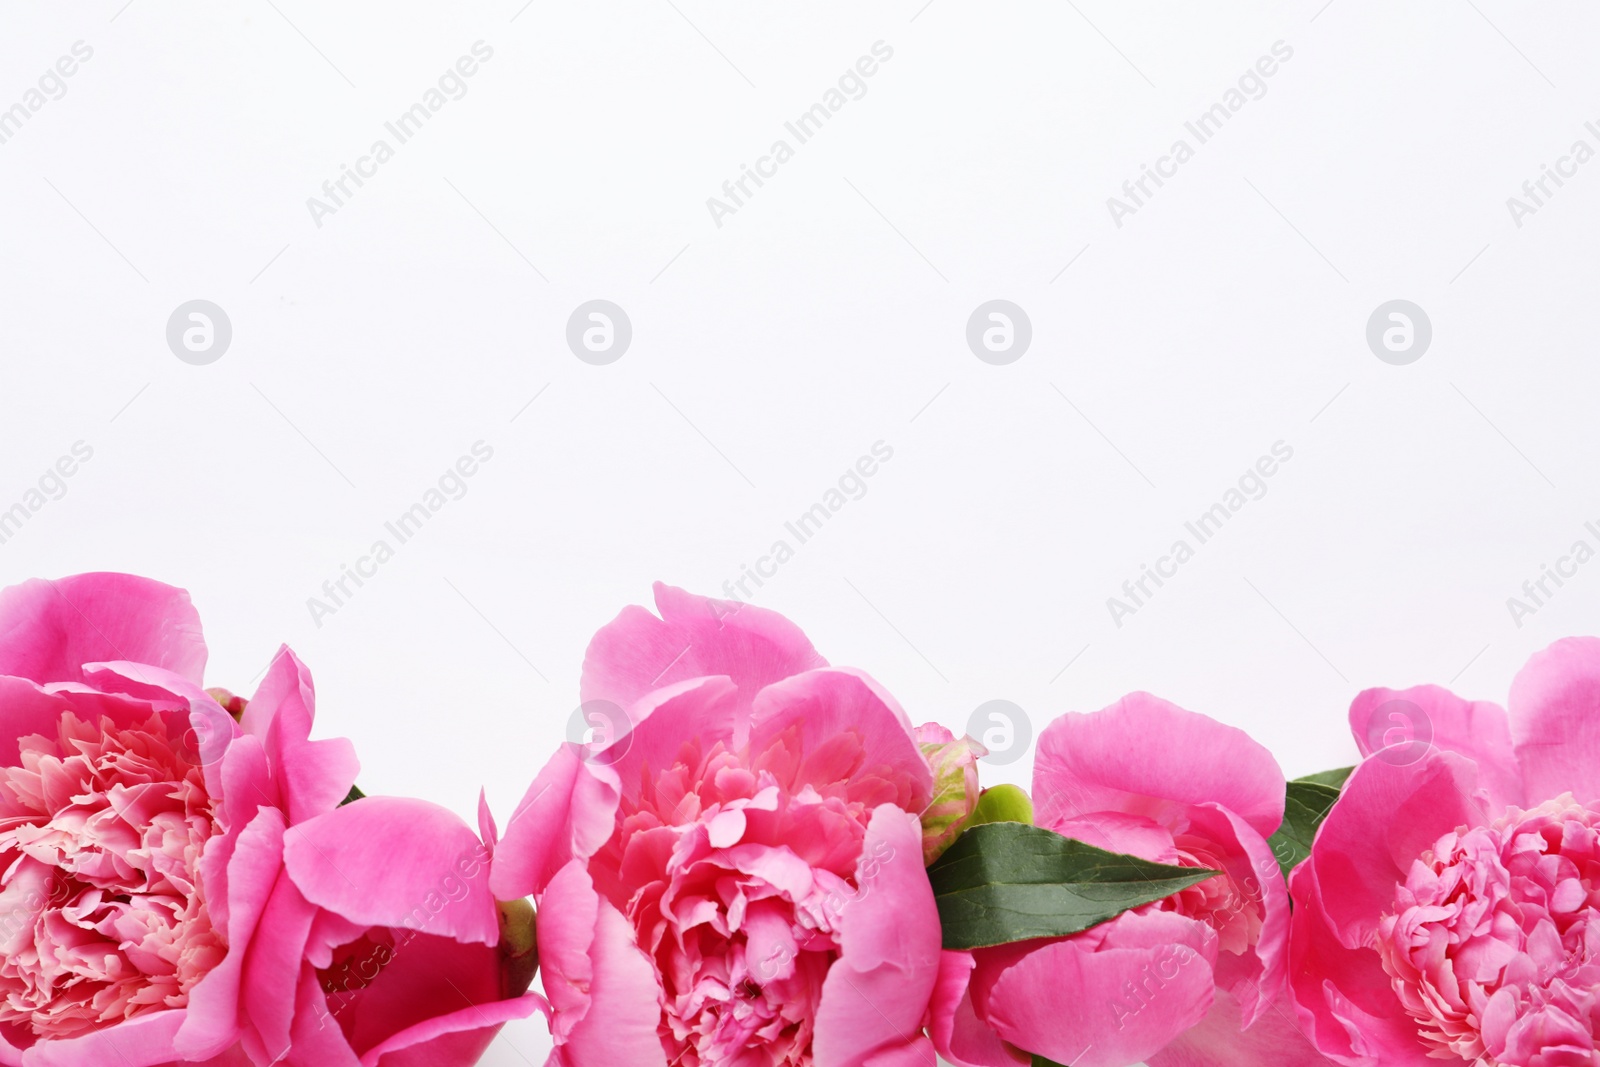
(741, 878)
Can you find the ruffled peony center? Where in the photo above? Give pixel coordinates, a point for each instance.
(1235, 914)
(102, 917)
(1492, 945)
(736, 883)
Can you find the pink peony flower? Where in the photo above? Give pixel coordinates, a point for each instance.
(1189, 981)
(738, 879)
(1450, 910)
(172, 879)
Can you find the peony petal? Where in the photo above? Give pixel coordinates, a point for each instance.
(272, 972)
(316, 1039)
(393, 861)
(695, 714)
(144, 1041)
(435, 1001)
(625, 999)
(824, 706)
(487, 830)
(1254, 979)
(50, 629)
(694, 637)
(252, 872)
(916, 1053)
(25, 710)
(877, 992)
(1555, 719)
(565, 923)
(1414, 718)
(1342, 997)
(454, 1040)
(1107, 762)
(422, 976)
(1387, 816)
(1105, 1000)
(958, 1034)
(233, 1057)
(1274, 1041)
(568, 812)
(312, 777)
(209, 729)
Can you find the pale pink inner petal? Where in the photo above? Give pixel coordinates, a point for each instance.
(102, 917)
(1494, 943)
(734, 879)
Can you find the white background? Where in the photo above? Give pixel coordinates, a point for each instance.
(827, 314)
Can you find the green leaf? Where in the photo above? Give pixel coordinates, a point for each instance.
(1040, 1061)
(351, 797)
(1306, 804)
(1004, 881)
(1002, 803)
(1335, 778)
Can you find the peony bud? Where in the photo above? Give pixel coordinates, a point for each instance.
(1001, 803)
(955, 786)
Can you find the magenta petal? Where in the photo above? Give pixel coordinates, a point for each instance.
(487, 830)
(233, 1057)
(392, 861)
(1386, 817)
(1414, 718)
(25, 709)
(877, 991)
(1555, 718)
(698, 713)
(603, 988)
(210, 729)
(436, 1001)
(694, 637)
(455, 1040)
(824, 706)
(1107, 999)
(272, 971)
(568, 812)
(28, 708)
(959, 1036)
(313, 776)
(247, 786)
(1105, 762)
(568, 911)
(1343, 999)
(144, 1041)
(252, 872)
(1255, 978)
(423, 977)
(316, 1039)
(50, 629)
(1274, 1041)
